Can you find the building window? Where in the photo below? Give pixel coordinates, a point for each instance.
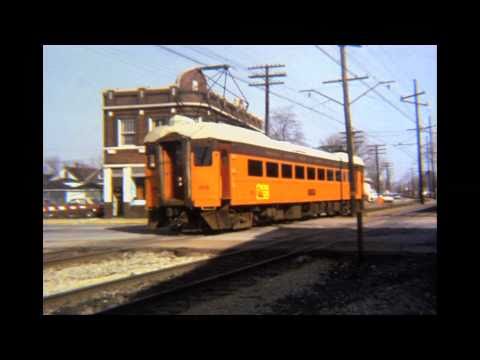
(330, 175)
(153, 123)
(338, 175)
(299, 172)
(126, 132)
(255, 168)
(286, 171)
(310, 173)
(194, 85)
(272, 169)
(202, 155)
(321, 174)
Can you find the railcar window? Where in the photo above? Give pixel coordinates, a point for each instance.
(330, 175)
(286, 171)
(338, 175)
(255, 168)
(299, 172)
(272, 169)
(202, 155)
(310, 173)
(321, 174)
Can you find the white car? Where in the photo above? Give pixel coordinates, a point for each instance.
(387, 198)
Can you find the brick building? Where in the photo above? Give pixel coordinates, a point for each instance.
(129, 114)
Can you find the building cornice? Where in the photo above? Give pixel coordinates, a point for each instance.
(179, 104)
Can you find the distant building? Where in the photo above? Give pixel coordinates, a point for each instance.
(73, 182)
(129, 114)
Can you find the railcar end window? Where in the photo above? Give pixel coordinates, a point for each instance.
(329, 175)
(272, 169)
(255, 168)
(338, 175)
(310, 173)
(299, 172)
(286, 171)
(202, 155)
(321, 174)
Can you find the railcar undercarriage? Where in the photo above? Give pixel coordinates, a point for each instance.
(182, 218)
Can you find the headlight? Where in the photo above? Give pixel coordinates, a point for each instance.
(72, 207)
(52, 208)
(61, 208)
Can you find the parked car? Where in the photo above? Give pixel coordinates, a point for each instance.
(83, 208)
(387, 197)
(396, 195)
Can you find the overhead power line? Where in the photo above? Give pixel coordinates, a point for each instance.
(324, 115)
(366, 84)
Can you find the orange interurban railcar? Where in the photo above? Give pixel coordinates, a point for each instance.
(216, 176)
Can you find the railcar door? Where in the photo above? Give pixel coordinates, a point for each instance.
(173, 168)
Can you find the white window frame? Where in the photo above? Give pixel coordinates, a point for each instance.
(150, 124)
(120, 133)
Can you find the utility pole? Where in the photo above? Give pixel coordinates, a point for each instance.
(350, 149)
(388, 167)
(266, 76)
(349, 136)
(413, 181)
(432, 159)
(358, 138)
(378, 150)
(419, 137)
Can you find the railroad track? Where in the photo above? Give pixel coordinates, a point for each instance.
(117, 296)
(65, 258)
(58, 258)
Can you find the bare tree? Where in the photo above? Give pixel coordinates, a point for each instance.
(52, 164)
(336, 143)
(284, 126)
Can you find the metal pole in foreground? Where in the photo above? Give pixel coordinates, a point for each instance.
(350, 150)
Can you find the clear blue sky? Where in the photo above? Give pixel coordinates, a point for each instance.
(74, 77)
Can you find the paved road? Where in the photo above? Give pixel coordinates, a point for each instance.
(396, 229)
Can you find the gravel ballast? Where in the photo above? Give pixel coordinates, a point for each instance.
(64, 278)
(382, 285)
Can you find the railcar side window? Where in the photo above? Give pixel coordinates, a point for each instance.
(310, 173)
(255, 168)
(286, 171)
(321, 174)
(330, 175)
(299, 172)
(338, 175)
(202, 155)
(272, 169)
